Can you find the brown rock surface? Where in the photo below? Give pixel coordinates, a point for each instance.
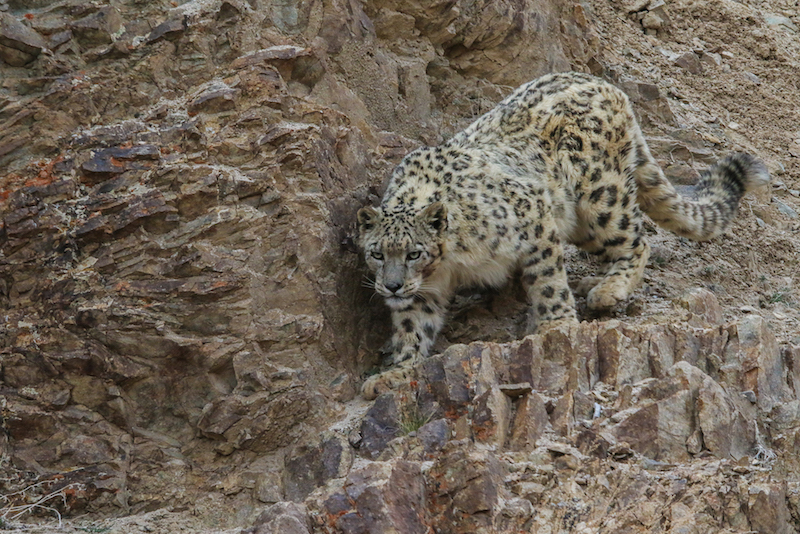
(185, 327)
(19, 44)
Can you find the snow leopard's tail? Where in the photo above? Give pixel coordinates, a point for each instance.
(713, 202)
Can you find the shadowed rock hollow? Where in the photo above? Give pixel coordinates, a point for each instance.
(186, 325)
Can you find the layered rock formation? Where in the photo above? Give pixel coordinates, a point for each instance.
(602, 427)
(186, 324)
(178, 185)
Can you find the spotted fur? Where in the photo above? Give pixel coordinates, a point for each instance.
(561, 159)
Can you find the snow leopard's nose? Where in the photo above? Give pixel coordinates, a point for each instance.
(393, 286)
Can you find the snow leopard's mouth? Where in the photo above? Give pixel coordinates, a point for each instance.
(395, 302)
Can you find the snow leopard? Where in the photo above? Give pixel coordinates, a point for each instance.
(561, 159)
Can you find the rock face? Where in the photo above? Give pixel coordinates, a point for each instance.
(570, 437)
(178, 183)
(185, 324)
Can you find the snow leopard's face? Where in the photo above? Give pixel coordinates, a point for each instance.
(402, 247)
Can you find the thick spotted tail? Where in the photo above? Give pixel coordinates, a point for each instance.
(716, 195)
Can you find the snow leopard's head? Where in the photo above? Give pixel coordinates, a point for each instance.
(403, 247)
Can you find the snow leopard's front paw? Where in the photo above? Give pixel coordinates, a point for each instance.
(389, 380)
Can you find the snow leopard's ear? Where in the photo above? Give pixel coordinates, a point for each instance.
(434, 217)
(368, 218)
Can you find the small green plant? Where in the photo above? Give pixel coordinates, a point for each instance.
(412, 418)
(782, 295)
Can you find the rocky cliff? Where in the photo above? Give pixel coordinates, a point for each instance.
(186, 325)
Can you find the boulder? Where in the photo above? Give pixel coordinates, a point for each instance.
(19, 44)
(284, 517)
(386, 497)
(308, 467)
(380, 425)
(101, 27)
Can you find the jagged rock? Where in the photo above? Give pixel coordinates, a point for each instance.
(671, 410)
(514, 516)
(753, 362)
(434, 435)
(649, 98)
(529, 423)
(703, 307)
(490, 417)
(768, 511)
(106, 163)
(593, 443)
(657, 17)
(682, 412)
(286, 518)
(726, 431)
(391, 24)
(169, 29)
(380, 425)
(19, 45)
(259, 422)
(569, 359)
(515, 391)
(463, 489)
(711, 59)
(691, 62)
(454, 377)
(386, 497)
(790, 355)
(307, 468)
(292, 62)
(130, 213)
(653, 21)
(101, 27)
(583, 406)
(622, 360)
(214, 100)
(58, 39)
(268, 487)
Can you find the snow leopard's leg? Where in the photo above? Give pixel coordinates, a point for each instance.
(416, 326)
(543, 273)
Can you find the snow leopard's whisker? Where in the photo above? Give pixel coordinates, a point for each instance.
(431, 288)
(421, 298)
(368, 282)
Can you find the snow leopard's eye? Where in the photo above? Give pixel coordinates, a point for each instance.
(376, 255)
(413, 255)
